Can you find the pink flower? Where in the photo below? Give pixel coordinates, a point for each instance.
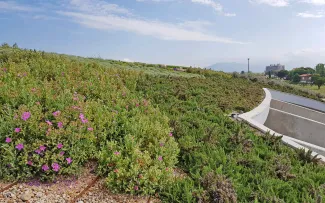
(29, 163)
(115, 170)
(136, 187)
(25, 116)
(171, 134)
(90, 129)
(45, 167)
(160, 158)
(137, 104)
(8, 140)
(42, 148)
(69, 160)
(37, 151)
(38, 103)
(4, 69)
(20, 147)
(117, 153)
(55, 167)
(56, 113)
(34, 89)
(17, 130)
(83, 119)
(49, 123)
(61, 153)
(166, 169)
(60, 125)
(60, 145)
(161, 144)
(75, 98)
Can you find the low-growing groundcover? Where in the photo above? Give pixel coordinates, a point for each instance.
(58, 113)
(226, 161)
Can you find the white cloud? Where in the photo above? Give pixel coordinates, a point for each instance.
(211, 3)
(311, 15)
(128, 60)
(11, 5)
(160, 30)
(315, 2)
(44, 17)
(98, 7)
(275, 3)
(196, 25)
(216, 6)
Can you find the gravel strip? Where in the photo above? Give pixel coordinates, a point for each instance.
(99, 194)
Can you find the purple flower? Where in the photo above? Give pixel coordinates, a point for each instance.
(4, 69)
(42, 148)
(136, 187)
(69, 160)
(90, 129)
(60, 145)
(8, 140)
(160, 158)
(20, 147)
(25, 116)
(17, 130)
(83, 119)
(56, 113)
(55, 167)
(45, 167)
(60, 125)
(117, 153)
(61, 153)
(29, 163)
(37, 151)
(49, 123)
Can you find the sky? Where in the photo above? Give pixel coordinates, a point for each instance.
(179, 32)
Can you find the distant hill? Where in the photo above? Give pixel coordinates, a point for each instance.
(229, 67)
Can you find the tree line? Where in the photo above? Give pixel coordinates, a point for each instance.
(317, 74)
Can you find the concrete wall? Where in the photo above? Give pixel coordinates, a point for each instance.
(298, 110)
(261, 117)
(260, 113)
(296, 127)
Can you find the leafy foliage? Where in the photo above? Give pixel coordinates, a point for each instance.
(57, 113)
(139, 122)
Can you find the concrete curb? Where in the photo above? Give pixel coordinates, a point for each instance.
(257, 117)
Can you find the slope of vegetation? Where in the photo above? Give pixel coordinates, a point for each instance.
(152, 130)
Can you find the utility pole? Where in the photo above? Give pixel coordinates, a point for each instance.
(248, 67)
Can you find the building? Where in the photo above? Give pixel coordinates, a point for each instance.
(305, 78)
(274, 68)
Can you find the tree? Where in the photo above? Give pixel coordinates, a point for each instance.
(242, 72)
(320, 69)
(15, 45)
(320, 81)
(314, 78)
(283, 73)
(296, 78)
(270, 74)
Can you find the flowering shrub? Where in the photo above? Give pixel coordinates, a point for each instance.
(57, 113)
(142, 161)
